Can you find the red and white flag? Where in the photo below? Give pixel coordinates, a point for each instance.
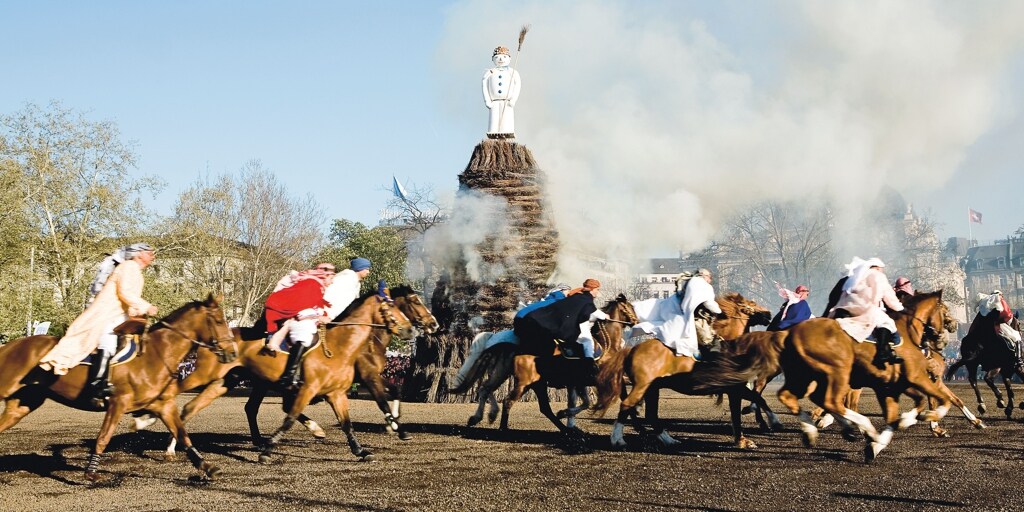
(974, 216)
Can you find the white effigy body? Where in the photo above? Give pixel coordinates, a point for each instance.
(501, 86)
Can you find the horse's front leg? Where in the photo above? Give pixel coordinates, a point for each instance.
(298, 404)
(252, 409)
(339, 403)
(212, 391)
(1008, 410)
(544, 403)
(482, 394)
(118, 405)
(890, 411)
(168, 412)
(990, 380)
(972, 377)
(369, 371)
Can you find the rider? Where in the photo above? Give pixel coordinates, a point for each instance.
(903, 287)
(864, 291)
(338, 292)
(673, 320)
(539, 329)
(295, 310)
(794, 311)
(119, 296)
(1004, 330)
(556, 294)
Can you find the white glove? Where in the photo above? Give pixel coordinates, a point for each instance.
(598, 315)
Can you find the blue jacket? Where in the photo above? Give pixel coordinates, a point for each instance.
(552, 297)
(796, 313)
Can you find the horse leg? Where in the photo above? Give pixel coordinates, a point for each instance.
(972, 377)
(890, 411)
(339, 403)
(114, 412)
(252, 409)
(627, 409)
(1008, 410)
(544, 403)
(481, 397)
(213, 391)
(569, 406)
(298, 404)
(735, 406)
(168, 412)
(370, 375)
(524, 370)
(791, 401)
(18, 406)
(990, 379)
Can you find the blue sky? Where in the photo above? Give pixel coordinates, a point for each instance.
(335, 97)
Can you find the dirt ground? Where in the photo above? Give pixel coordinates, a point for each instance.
(447, 466)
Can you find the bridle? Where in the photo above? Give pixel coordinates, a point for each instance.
(217, 346)
(602, 323)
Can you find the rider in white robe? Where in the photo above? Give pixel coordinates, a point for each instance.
(671, 319)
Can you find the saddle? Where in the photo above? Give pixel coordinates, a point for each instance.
(131, 329)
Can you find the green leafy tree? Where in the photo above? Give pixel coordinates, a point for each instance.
(382, 245)
(68, 198)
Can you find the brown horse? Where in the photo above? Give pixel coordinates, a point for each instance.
(330, 372)
(983, 347)
(822, 361)
(220, 378)
(651, 365)
(149, 381)
(497, 364)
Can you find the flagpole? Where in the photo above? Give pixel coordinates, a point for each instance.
(970, 229)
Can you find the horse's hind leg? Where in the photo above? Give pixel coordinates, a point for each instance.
(1008, 410)
(18, 406)
(735, 406)
(990, 379)
(789, 395)
(369, 371)
(252, 409)
(295, 407)
(339, 403)
(213, 391)
(890, 411)
(481, 397)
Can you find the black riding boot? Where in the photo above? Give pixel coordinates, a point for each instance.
(884, 352)
(291, 379)
(97, 388)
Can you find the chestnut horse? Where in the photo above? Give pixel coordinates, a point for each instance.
(983, 347)
(498, 362)
(651, 365)
(329, 372)
(220, 378)
(149, 381)
(822, 361)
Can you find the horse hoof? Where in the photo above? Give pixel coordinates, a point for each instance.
(92, 476)
(1008, 412)
(778, 426)
(1001, 404)
(825, 421)
(264, 458)
(980, 425)
(492, 417)
(747, 410)
(170, 456)
(211, 471)
(851, 434)
(746, 444)
(941, 433)
(982, 409)
(473, 420)
(869, 453)
(561, 414)
(810, 439)
(404, 436)
(368, 457)
(1020, 405)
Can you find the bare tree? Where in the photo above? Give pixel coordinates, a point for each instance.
(412, 216)
(238, 234)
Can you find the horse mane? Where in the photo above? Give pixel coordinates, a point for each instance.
(355, 305)
(401, 290)
(176, 315)
(733, 301)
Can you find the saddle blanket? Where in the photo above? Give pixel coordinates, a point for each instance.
(127, 353)
(287, 344)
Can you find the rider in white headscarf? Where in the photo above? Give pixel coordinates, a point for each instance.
(859, 310)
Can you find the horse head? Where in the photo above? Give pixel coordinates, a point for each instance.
(739, 314)
(391, 317)
(927, 317)
(412, 306)
(205, 324)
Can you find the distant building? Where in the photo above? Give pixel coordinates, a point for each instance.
(999, 266)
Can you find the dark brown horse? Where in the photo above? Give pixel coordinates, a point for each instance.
(983, 347)
(219, 378)
(496, 364)
(821, 361)
(149, 381)
(651, 365)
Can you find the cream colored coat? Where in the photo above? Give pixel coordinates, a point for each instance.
(864, 301)
(120, 296)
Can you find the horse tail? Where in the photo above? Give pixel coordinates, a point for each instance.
(760, 360)
(609, 380)
(471, 370)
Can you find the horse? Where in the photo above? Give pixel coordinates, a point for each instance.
(148, 381)
(499, 361)
(651, 365)
(821, 361)
(983, 347)
(349, 334)
(330, 372)
(932, 350)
